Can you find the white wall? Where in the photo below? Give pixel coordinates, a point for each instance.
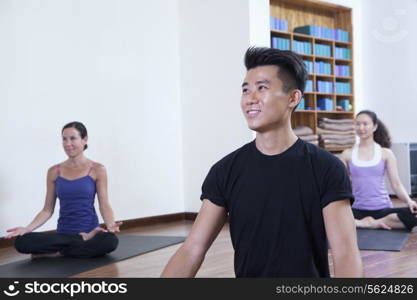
(213, 38)
(259, 27)
(390, 64)
(111, 64)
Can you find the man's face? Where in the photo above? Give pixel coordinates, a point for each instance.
(264, 103)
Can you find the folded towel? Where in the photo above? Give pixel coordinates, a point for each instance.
(332, 147)
(337, 127)
(327, 131)
(303, 130)
(337, 121)
(339, 142)
(309, 138)
(314, 142)
(337, 136)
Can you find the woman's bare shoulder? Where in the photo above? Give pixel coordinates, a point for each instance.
(346, 154)
(387, 153)
(98, 168)
(53, 171)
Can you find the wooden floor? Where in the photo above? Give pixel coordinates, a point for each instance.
(219, 259)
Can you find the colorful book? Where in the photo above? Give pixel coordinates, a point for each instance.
(309, 86)
(342, 70)
(341, 52)
(322, 50)
(280, 43)
(324, 86)
(324, 32)
(325, 104)
(278, 24)
(344, 104)
(302, 47)
(343, 88)
(322, 67)
(309, 66)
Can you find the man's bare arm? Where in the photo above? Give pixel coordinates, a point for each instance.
(341, 233)
(189, 257)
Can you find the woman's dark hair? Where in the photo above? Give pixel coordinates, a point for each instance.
(291, 68)
(80, 128)
(381, 134)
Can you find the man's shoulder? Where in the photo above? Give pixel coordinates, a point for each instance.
(230, 158)
(319, 155)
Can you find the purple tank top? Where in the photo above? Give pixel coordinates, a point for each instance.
(368, 181)
(76, 198)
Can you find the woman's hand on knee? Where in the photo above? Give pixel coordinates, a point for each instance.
(115, 227)
(413, 206)
(16, 231)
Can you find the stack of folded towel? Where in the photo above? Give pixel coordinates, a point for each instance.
(306, 133)
(336, 133)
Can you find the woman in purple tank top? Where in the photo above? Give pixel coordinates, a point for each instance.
(368, 162)
(75, 182)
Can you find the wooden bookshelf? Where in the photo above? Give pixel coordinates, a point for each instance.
(313, 12)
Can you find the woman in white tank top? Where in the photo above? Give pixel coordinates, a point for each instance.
(368, 162)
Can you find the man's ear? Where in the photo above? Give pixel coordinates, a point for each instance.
(295, 97)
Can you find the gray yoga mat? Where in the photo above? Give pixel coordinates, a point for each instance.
(129, 246)
(379, 239)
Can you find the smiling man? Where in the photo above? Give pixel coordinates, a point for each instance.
(285, 198)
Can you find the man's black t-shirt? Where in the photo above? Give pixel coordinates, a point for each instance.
(275, 207)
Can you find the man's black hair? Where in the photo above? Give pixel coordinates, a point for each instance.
(291, 68)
